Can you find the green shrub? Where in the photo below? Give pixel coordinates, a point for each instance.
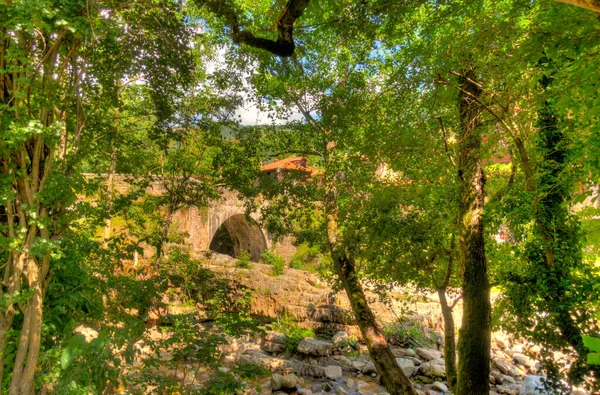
(293, 332)
(277, 261)
(306, 258)
(408, 333)
(243, 260)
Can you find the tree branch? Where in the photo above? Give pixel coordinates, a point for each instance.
(592, 5)
(284, 45)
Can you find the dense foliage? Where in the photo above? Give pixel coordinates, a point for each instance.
(434, 128)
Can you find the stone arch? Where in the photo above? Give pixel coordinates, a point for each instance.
(237, 234)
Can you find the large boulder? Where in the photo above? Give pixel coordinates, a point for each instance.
(255, 357)
(333, 372)
(315, 347)
(428, 354)
(407, 365)
(433, 369)
(273, 342)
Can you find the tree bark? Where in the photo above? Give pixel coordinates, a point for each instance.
(592, 5)
(393, 378)
(283, 46)
(474, 338)
(449, 341)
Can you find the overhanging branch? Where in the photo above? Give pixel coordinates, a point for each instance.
(284, 45)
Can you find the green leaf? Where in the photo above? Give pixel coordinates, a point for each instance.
(593, 343)
(593, 359)
(68, 355)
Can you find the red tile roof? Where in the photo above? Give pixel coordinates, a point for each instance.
(293, 163)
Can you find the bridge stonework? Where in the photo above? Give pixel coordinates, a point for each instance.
(201, 224)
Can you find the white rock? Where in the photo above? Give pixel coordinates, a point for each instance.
(532, 385)
(333, 372)
(407, 365)
(439, 387)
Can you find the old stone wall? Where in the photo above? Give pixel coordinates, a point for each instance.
(202, 223)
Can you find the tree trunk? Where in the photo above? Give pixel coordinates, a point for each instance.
(449, 342)
(392, 377)
(474, 337)
(110, 183)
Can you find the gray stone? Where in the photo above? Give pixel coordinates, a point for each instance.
(304, 391)
(432, 369)
(358, 365)
(403, 352)
(508, 379)
(350, 383)
(326, 387)
(369, 368)
(506, 367)
(428, 354)
(440, 387)
(340, 391)
(261, 359)
(523, 360)
(346, 361)
(315, 347)
(283, 382)
(501, 340)
(340, 339)
(333, 372)
(407, 365)
(532, 385)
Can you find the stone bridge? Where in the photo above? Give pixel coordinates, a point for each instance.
(222, 226)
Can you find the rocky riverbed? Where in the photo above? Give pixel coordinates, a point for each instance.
(334, 366)
(339, 364)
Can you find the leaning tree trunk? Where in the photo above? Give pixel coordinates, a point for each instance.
(474, 337)
(392, 376)
(449, 342)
